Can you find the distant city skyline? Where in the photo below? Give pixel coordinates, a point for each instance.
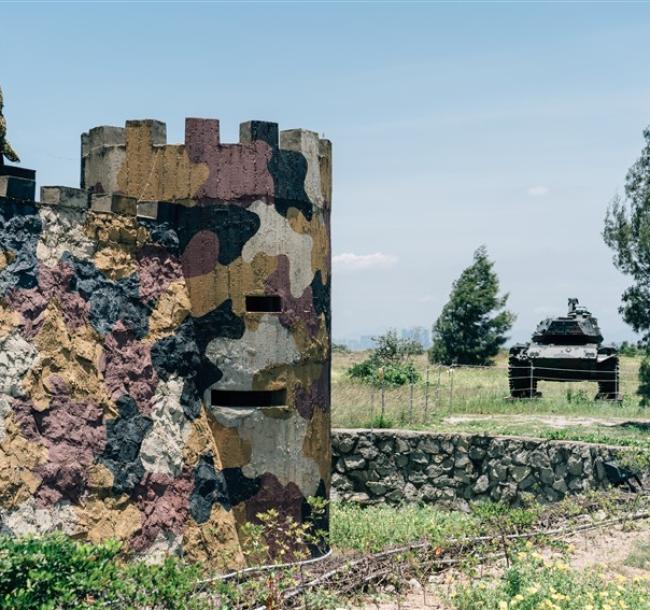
(453, 125)
(416, 333)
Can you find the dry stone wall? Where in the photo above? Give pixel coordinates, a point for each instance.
(393, 466)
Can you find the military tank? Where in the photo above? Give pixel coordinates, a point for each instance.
(564, 349)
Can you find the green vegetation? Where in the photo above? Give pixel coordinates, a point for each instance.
(56, 572)
(627, 233)
(390, 363)
(644, 381)
(473, 324)
(376, 527)
(537, 583)
(373, 528)
(639, 556)
(630, 349)
(475, 400)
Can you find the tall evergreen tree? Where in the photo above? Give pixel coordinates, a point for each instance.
(473, 324)
(627, 233)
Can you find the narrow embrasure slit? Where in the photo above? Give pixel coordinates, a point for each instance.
(270, 303)
(249, 398)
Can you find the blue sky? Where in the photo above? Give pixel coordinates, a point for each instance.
(453, 125)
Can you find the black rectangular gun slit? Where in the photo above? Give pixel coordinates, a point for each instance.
(267, 303)
(249, 398)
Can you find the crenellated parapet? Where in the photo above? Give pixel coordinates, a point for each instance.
(165, 336)
(291, 166)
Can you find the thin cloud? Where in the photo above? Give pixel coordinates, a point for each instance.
(537, 190)
(427, 298)
(363, 262)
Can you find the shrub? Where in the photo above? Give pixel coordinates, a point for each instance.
(389, 363)
(629, 349)
(370, 371)
(52, 572)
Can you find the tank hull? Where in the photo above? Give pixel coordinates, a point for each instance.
(531, 363)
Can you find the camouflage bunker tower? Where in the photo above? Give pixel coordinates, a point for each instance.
(564, 349)
(165, 339)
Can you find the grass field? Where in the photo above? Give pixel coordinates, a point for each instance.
(476, 400)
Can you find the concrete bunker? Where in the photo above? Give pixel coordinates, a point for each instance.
(165, 335)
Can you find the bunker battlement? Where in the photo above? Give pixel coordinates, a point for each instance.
(129, 170)
(136, 161)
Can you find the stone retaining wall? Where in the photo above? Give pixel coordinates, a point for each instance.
(391, 466)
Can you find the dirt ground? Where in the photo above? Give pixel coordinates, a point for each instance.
(552, 421)
(608, 548)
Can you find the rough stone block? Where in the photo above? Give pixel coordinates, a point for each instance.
(482, 485)
(259, 130)
(17, 183)
(353, 462)
(147, 209)
(64, 196)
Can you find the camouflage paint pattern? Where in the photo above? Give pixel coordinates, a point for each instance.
(123, 307)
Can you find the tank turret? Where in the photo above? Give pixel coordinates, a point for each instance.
(566, 348)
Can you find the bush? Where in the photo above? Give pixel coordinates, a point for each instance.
(57, 572)
(370, 371)
(629, 349)
(389, 363)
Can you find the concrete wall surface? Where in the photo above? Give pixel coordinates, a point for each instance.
(165, 340)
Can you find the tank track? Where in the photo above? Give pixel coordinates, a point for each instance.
(608, 380)
(522, 385)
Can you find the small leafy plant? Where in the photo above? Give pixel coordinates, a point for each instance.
(51, 572)
(535, 582)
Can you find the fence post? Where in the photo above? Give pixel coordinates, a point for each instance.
(383, 403)
(372, 405)
(532, 378)
(438, 387)
(426, 396)
(451, 386)
(411, 404)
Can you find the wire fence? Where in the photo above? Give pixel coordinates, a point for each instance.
(443, 391)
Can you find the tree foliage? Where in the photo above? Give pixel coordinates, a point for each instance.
(473, 324)
(627, 233)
